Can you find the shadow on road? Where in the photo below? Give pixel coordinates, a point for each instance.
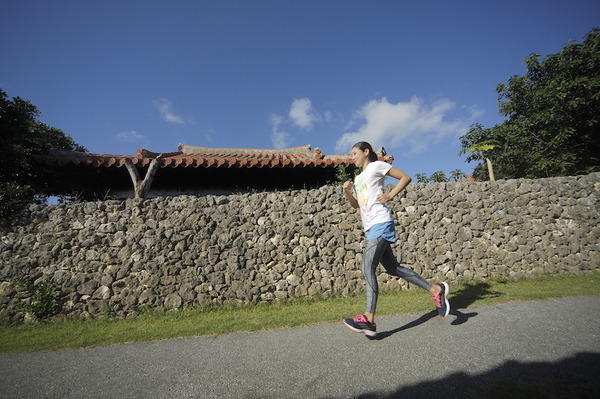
(419, 321)
(465, 297)
(460, 299)
(469, 293)
(571, 378)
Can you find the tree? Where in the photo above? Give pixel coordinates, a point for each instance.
(553, 122)
(478, 147)
(422, 178)
(344, 173)
(457, 175)
(440, 177)
(21, 137)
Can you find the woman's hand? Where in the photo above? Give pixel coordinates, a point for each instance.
(383, 198)
(348, 187)
(403, 181)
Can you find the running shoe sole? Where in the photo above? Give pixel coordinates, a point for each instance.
(446, 292)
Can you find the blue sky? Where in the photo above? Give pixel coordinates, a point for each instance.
(411, 76)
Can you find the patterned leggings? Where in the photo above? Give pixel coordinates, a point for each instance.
(379, 251)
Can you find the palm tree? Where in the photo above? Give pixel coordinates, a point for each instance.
(457, 175)
(439, 177)
(422, 178)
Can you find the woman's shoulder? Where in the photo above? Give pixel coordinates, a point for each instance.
(381, 166)
(375, 169)
(380, 163)
(376, 164)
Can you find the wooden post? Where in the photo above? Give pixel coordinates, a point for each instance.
(142, 187)
(490, 169)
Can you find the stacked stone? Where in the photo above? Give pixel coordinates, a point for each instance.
(513, 228)
(120, 257)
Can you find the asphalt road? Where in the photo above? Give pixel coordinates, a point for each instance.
(546, 345)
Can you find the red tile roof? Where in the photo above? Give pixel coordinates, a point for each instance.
(192, 156)
(470, 179)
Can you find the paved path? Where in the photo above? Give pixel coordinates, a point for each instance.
(552, 343)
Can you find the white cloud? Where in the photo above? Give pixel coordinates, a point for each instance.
(413, 124)
(130, 136)
(302, 114)
(279, 138)
(165, 108)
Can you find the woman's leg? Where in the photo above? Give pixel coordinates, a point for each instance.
(391, 265)
(438, 292)
(372, 254)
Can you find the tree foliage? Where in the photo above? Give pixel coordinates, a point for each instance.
(440, 177)
(345, 173)
(480, 151)
(552, 126)
(21, 137)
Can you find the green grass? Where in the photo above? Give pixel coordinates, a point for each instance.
(207, 320)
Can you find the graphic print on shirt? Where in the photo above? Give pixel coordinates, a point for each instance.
(362, 195)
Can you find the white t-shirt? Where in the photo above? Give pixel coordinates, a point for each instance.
(368, 185)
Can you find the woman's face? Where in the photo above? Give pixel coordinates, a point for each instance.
(360, 157)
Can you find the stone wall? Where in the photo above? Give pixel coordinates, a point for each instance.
(119, 257)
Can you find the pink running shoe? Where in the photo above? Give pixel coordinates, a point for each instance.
(441, 300)
(361, 324)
